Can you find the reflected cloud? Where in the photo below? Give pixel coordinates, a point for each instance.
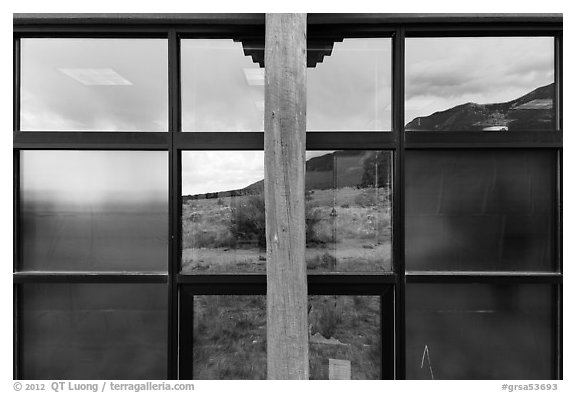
(446, 72)
(351, 89)
(221, 87)
(216, 171)
(94, 84)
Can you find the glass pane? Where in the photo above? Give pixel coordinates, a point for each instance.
(344, 334)
(229, 337)
(94, 331)
(94, 210)
(480, 210)
(348, 211)
(223, 221)
(480, 84)
(349, 85)
(94, 84)
(479, 331)
(222, 85)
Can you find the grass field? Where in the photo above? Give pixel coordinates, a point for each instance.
(349, 230)
(230, 336)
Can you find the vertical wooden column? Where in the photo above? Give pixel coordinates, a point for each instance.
(284, 152)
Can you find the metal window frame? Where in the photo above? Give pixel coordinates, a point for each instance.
(398, 27)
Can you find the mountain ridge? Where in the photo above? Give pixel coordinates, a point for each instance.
(532, 111)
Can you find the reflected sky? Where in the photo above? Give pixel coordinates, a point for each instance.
(94, 84)
(351, 89)
(222, 89)
(121, 84)
(444, 72)
(214, 171)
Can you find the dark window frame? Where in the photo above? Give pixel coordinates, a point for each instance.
(397, 26)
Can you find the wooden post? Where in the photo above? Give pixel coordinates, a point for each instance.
(284, 152)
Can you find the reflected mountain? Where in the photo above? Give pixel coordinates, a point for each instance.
(533, 111)
(353, 169)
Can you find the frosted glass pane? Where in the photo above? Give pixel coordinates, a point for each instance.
(480, 210)
(94, 331)
(94, 210)
(479, 331)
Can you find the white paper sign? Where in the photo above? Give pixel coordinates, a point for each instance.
(339, 369)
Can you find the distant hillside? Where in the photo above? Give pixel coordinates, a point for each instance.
(353, 169)
(533, 111)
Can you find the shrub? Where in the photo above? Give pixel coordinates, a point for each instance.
(248, 221)
(366, 198)
(324, 317)
(313, 217)
(325, 261)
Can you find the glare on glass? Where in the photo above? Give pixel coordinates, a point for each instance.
(94, 210)
(349, 88)
(348, 211)
(73, 84)
(488, 84)
(230, 337)
(223, 218)
(478, 331)
(94, 331)
(480, 210)
(222, 85)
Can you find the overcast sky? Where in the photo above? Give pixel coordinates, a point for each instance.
(222, 89)
(444, 72)
(213, 171)
(52, 99)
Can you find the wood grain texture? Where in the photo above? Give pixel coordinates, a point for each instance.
(284, 151)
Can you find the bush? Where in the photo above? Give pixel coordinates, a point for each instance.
(325, 262)
(313, 217)
(324, 317)
(367, 198)
(248, 221)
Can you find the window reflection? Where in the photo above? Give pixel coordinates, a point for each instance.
(479, 210)
(480, 84)
(94, 210)
(344, 335)
(230, 337)
(223, 221)
(348, 211)
(349, 85)
(94, 84)
(478, 331)
(222, 86)
(94, 331)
